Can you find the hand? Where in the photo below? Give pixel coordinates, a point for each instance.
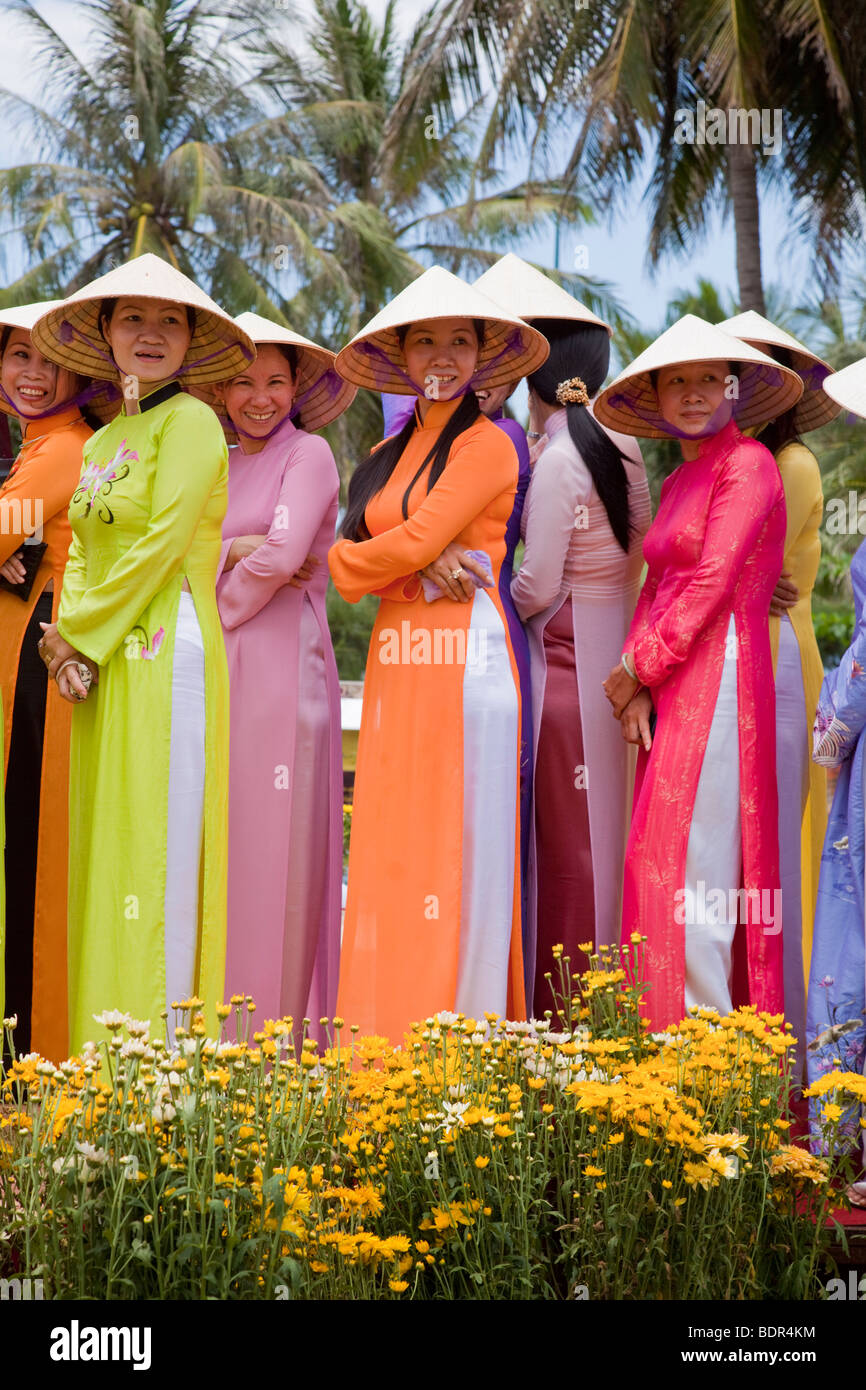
(453, 558)
(619, 689)
(636, 717)
(70, 686)
(240, 548)
(13, 570)
(785, 594)
(53, 649)
(306, 571)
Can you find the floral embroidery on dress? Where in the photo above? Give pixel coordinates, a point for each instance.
(141, 648)
(97, 480)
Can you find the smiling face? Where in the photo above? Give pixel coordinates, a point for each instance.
(32, 383)
(148, 338)
(441, 356)
(692, 397)
(261, 397)
(493, 398)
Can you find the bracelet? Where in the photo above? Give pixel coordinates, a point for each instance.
(626, 667)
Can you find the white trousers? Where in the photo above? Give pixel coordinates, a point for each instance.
(490, 751)
(185, 805)
(714, 859)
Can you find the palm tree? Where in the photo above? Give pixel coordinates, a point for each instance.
(393, 128)
(158, 142)
(624, 71)
(399, 173)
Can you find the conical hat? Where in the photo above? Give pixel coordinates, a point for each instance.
(326, 394)
(511, 349)
(765, 388)
(530, 294)
(70, 334)
(104, 404)
(814, 407)
(848, 387)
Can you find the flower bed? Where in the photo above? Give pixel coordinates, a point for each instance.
(581, 1157)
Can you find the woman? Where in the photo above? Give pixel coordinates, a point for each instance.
(799, 670)
(397, 410)
(698, 650)
(588, 507)
(285, 791)
(138, 614)
(34, 500)
(433, 910)
(835, 1028)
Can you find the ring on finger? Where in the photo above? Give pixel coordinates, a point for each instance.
(455, 574)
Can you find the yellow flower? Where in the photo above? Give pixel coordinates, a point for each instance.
(398, 1285)
(666, 1182)
(481, 1161)
(831, 1113)
(616, 1138)
(591, 1172)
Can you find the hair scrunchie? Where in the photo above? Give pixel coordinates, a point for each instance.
(572, 392)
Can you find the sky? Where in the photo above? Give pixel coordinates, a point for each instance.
(615, 250)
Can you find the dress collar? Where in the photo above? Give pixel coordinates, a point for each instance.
(728, 434)
(281, 435)
(556, 422)
(35, 429)
(162, 393)
(438, 414)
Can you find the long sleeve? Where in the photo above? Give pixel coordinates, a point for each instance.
(47, 482)
(404, 590)
(74, 577)
(801, 478)
(481, 468)
(559, 484)
(841, 714)
(742, 499)
(308, 490)
(192, 457)
(640, 618)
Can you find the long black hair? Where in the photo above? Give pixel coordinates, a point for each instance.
(783, 430)
(583, 349)
(373, 472)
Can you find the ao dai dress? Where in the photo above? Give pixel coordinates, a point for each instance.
(837, 981)
(146, 516)
(705, 814)
(433, 912)
(576, 589)
(802, 783)
(37, 752)
(285, 798)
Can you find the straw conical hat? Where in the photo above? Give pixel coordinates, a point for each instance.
(104, 404)
(848, 387)
(814, 407)
(530, 294)
(766, 388)
(326, 394)
(70, 334)
(511, 349)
